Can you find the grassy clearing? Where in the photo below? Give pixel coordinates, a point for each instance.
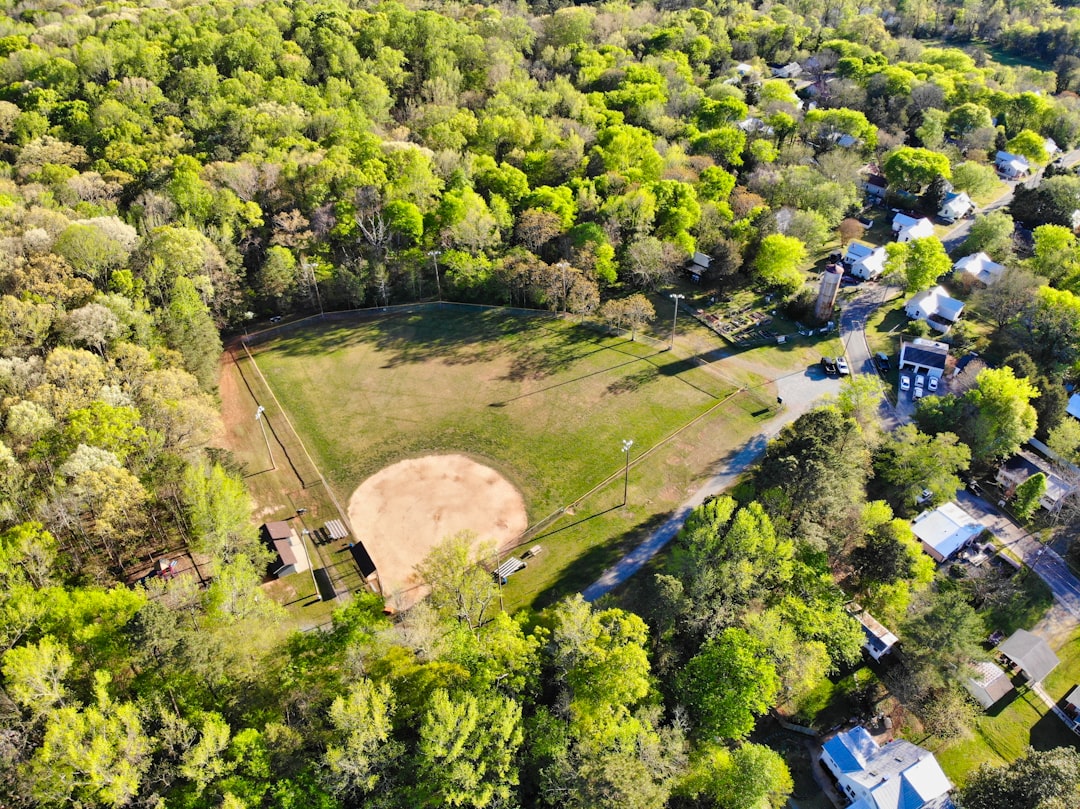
(545, 401)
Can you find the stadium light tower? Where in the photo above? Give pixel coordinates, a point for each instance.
(676, 297)
(262, 423)
(626, 444)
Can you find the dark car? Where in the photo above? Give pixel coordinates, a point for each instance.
(829, 366)
(881, 360)
(974, 487)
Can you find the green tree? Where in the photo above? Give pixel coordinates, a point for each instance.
(467, 751)
(219, 511)
(974, 178)
(912, 168)
(991, 233)
(1030, 145)
(727, 684)
(1028, 494)
(1039, 779)
(358, 760)
(189, 329)
(1006, 298)
(1053, 323)
(1057, 253)
(924, 261)
(966, 118)
(1003, 416)
(777, 263)
(751, 776)
(460, 588)
(910, 461)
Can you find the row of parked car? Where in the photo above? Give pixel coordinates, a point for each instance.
(922, 384)
(835, 366)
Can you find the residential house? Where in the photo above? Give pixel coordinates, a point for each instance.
(755, 126)
(1012, 166)
(897, 775)
(879, 640)
(1023, 465)
(956, 206)
(864, 261)
(1030, 654)
(792, 70)
(936, 307)
(291, 553)
(908, 228)
(922, 356)
(1074, 406)
(1051, 147)
(744, 69)
(875, 187)
(978, 268)
(945, 530)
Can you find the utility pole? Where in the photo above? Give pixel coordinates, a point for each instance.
(676, 297)
(259, 418)
(626, 444)
(435, 259)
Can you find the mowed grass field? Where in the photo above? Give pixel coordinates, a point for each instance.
(545, 401)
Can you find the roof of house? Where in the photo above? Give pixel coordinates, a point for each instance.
(946, 529)
(878, 638)
(1023, 465)
(938, 302)
(1073, 697)
(902, 220)
(857, 250)
(1015, 159)
(877, 180)
(701, 260)
(922, 229)
(921, 351)
(899, 775)
(1031, 653)
(981, 267)
(286, 551)
(988, 684)
(957, 202)
(1074, 406)
(278, 530)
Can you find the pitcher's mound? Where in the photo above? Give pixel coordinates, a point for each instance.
(403, 511)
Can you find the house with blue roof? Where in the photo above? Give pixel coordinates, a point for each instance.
(897, 775)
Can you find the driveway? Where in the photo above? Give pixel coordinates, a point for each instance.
(856, 311)
(1041, 559)
(801, 391)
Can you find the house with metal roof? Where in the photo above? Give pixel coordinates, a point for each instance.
(864, 260)
(936, 307)
(956, 205)
(945, 530)
(1030, 654)
(922, 356)
(1023, 465)
(291, 553)
(1011, 165)
(908, 228)
(978, 268)
(897, 775)
(988, 684)
(879, 640)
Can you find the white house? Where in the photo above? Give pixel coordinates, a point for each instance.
(865, 261)
(956, 206)
(936, 307)
(978, 267)
(879, 640)
(922, 356)
(907, 228)
(1011, 165)
(699, 265)
(945, 530)
(1074, 406)
(875, 187)
(898, 775)
(1023, 465)
(1051, 146)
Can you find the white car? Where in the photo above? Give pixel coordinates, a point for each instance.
(841, 366)
(920, 381)
(917, 393)
(905, 382)
(931, 383)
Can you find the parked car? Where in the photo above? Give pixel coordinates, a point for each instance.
(881, 360)
(905, 382)
(924, 497)
(842, 367)
(932, 383)
(828, 365)
(920, 381)
(918, 393)
(974, 487)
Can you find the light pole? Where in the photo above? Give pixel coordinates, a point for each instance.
(259, 418)
(435, 259)
(626, 444)
(309, 266)
(676, 297)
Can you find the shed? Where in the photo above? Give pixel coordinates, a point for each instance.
(1029, 653)
(988, 684)
(292, 555)
(945, 530)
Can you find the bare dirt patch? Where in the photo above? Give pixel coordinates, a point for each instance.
(406, 509)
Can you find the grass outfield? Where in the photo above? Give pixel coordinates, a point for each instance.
(544, 401)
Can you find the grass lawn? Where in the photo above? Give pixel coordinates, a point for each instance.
(885, 327)
(544, 401)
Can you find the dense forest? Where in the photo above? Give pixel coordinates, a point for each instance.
(174, 171)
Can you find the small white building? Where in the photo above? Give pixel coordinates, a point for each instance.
(908, 228)
(699, 265)
(1023, 465)
(865, 261)
(978, 268)
(922, 356)
(879, 640)
(292, 555)
(875, 187)
(898, 775)
(987, 684)
(956, 206)
(743, 69)
(945, 530)
(1012, 166)
(936, 307)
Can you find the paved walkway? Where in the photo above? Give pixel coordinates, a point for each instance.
(800, 391)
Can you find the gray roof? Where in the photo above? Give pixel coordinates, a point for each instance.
(931, 358)
(1031, 653)
(989, 684)
(278, 530)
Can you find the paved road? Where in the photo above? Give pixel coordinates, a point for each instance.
(800, 391)
(857, 310)
(1041, 559)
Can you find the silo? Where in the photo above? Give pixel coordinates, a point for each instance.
(830, 285)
